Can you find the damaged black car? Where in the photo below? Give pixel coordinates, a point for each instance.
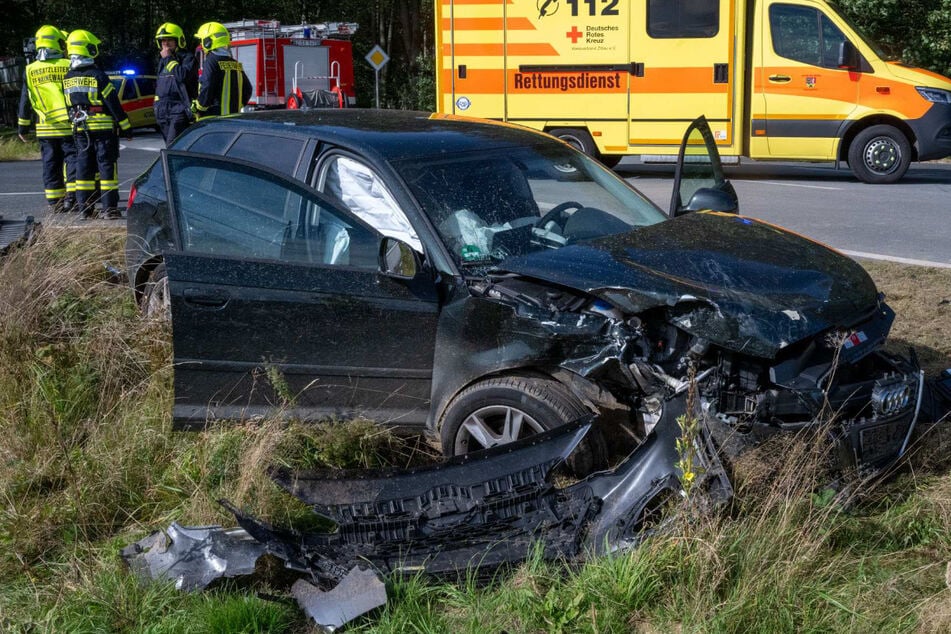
(483, 283)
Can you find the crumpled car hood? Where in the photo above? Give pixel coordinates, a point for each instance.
(741, 283)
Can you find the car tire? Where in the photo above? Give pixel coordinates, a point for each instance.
(156, 301)
(880, 154)
(477, 418)
(581, 140)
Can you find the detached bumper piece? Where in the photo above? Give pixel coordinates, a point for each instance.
(474, 513)
(487, 510)
(193, 557)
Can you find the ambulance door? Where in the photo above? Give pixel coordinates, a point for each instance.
(801, 99)
(471, 78)
(569, 68)
(683, 54)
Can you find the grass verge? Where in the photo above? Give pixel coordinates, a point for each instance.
(13, 149)
(88, 464)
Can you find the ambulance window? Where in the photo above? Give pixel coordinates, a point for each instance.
(146, 86)
(117, 85)
(805, 35)
(279, 153)
(683, 18)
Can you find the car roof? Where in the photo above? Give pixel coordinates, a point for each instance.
(392, 134)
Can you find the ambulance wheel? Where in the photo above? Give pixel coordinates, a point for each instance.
(293, 103)
(501, 410)
(581, 140)
(880, 154)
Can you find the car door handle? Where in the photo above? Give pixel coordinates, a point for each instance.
(205, 299)
(780, 79)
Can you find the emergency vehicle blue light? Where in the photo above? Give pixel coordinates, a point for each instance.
(128, 71)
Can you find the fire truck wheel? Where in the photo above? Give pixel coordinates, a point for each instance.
(880, 154)
(581, 140)
(292, 103)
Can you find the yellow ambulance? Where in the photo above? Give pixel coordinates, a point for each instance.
(776, 79)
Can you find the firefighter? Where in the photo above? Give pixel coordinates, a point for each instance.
(223, 88)
(43, 94)
(177, 83)
(96, 112)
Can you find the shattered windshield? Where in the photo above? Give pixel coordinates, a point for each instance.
(489, 206)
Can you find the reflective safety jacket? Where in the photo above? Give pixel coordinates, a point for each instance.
(176, 85)
(88, 89)
(223, 88)
(43, 94)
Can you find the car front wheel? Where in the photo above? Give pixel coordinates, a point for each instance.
(501, 410)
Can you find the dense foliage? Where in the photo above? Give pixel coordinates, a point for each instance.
(915, 31)
(404, 28)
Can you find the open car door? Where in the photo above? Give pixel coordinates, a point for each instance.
(699, 183)
(279, 302)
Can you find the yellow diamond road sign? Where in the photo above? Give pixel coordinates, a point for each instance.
(377, 57)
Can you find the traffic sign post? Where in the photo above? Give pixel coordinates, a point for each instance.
(377, 58)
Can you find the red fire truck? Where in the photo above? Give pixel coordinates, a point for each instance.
(295, 66)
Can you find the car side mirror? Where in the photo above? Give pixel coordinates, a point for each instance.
(848, 56)
(699, 181)
(398, 259)
(711, 199)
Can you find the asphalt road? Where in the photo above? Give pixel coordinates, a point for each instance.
(908, 221)
(21, 182)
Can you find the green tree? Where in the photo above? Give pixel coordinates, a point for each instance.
(915, 31)
(404, 28)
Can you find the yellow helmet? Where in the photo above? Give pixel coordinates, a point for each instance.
(84, 43)
(213, 35)
(49, 36)
(169, 30)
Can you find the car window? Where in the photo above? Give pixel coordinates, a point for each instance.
(363, 192)
(210, 143)
(146, 86)
(490, 205)
(278, 153)
(226, 209)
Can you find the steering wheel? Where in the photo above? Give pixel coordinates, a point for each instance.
(558, 215)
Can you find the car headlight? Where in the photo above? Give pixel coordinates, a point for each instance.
(934, 95)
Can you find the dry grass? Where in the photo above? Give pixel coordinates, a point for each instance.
(921, 299)
(13, 149)
(88, 463)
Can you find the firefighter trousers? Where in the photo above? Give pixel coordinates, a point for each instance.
(100, 155)
(172, 126)
(59, 166)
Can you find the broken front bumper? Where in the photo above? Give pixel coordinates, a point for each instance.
(476, 512)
